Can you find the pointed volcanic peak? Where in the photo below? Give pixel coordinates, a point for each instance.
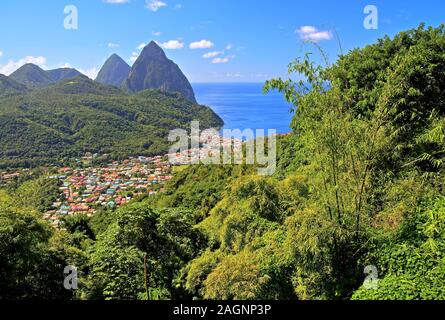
(62, 74)
(31, 76)
(10, 87)
(153, 70)
(154, 51)
(114, 71)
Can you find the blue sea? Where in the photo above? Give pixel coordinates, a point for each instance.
(244, 106)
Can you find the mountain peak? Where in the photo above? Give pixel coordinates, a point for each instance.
(153, 51)
(114, 71)
(31, 75)
(115, 56)
(62, 74)
(154, 44)
(153, 70)
(28, 66)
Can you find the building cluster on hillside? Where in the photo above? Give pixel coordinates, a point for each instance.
(7, 177)
(85, 190)
(211, 149)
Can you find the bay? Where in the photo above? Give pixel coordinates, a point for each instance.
(244, 106)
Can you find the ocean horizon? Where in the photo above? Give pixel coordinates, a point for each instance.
(244, 106)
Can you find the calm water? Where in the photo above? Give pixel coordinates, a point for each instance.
(244, 106)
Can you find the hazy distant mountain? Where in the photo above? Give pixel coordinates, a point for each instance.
(10, 87)
(114, 71)
(62, 73)
(153, 70)
(31, 76)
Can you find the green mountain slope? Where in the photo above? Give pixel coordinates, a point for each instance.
(65, 120)
(10, 87)
(153, 70)
(32, 76)
(114, 71)
(62, 73)
(82, 85)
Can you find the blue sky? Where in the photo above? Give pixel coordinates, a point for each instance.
(247, 40)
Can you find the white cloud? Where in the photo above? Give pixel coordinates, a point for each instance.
(312, 34)
(134, 57)
(156, 33)
(90, 73)
(203, 44)
(12, 66)
(229, 47)
(178, 6)
(223, 59)
(113, 45)
(64, 65)
(307, 29)
(141, 46)
(212, 54)
(116, 1)
(154, 5)
(1, 53)
(172, 44)
(220, 60)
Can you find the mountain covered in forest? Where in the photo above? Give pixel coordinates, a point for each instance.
(10, 87)
(153, 70)
(63, 121)
(62, 74)
(54, 116)
(355, 209)
(114, 71)
(33, 76)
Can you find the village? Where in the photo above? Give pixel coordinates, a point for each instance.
(86, 190)
(212, 149)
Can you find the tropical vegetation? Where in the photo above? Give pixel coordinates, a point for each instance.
(359, 183)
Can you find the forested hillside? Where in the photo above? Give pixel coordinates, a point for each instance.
(65, 120)
(10, 87)
(33, 76)
(360, 182)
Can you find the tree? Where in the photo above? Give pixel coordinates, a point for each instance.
(31, 264)
(160, 241)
